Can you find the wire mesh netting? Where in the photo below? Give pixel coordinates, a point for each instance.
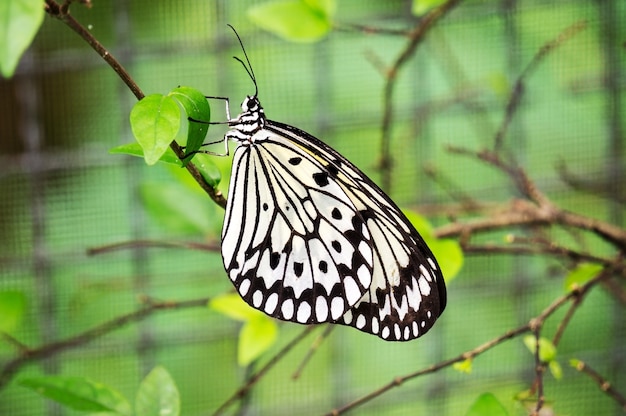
(64, 195)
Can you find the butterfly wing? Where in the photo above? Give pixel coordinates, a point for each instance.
(407, 293)
(293, 243)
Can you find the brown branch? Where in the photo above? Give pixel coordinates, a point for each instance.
(28, 355)
(603, 383)
(153, 244)
(61, 12)
(415, 38)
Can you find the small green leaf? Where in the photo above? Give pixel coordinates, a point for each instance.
(176, 208)
(78, 393)
(324, 7)
(135, 149)
(21, 20)
(583, 273)
(197, 107)
(547, 350)
(421, 224)
(157, 395)
(155, 122)
(449, 255)
(207, 168)
(555, 369)
(447, 251)
(231, 305)
(256, 336)
(421, 7)
(577, 364)
(487, 405)
(12, 307)
(295, 20)
(464, 366)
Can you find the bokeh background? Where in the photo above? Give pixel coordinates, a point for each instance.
(62, 193)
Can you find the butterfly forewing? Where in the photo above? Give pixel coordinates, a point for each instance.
(280, 204)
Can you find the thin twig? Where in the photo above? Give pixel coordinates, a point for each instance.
(518, 87)
(602, 382)
(416, 36)
(245, 388)
(62, 13)
(312, 350)
(45, 351)
(189, 245)
(473, 353)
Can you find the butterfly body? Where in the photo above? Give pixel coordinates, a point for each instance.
(308, 238)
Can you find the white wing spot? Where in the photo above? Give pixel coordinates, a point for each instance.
(364, 276)
(375, 326)
(337, 307)
(360, 321)
(385, 334)
(407, 332)
(352, 290)
(257, 298)
(321, 309)
(424, 286)
(432, 263)
(396, 330)
(244, 287)
(416, 329)
(287, 309)
(304, 312)
(271, 303)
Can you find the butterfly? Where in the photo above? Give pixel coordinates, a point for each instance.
(309, 238)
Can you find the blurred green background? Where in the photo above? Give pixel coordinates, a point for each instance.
(62, 194)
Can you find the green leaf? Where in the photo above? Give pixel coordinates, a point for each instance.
(157, 395)
(449, 255)
(208, 169)
(421, 7)
(196, 107)
(555, 369)
(295, 20)
(464, 366)
(155, 122)
(256, 336)
(258, 333)
(421, 224)
(547, 350)
(79, 393)
(583, 273)
(447, 251)
(323, 7)
(176, 208)
(487, 405)
(135, 149)
(21, 20)
(231, 305)
(12, 307)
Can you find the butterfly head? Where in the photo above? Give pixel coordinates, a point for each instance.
(250, 120)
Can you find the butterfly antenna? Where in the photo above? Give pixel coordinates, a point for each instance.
(248, 67)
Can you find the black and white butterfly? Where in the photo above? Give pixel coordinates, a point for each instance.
(308, 238)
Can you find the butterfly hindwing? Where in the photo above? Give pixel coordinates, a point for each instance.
(407, 293)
